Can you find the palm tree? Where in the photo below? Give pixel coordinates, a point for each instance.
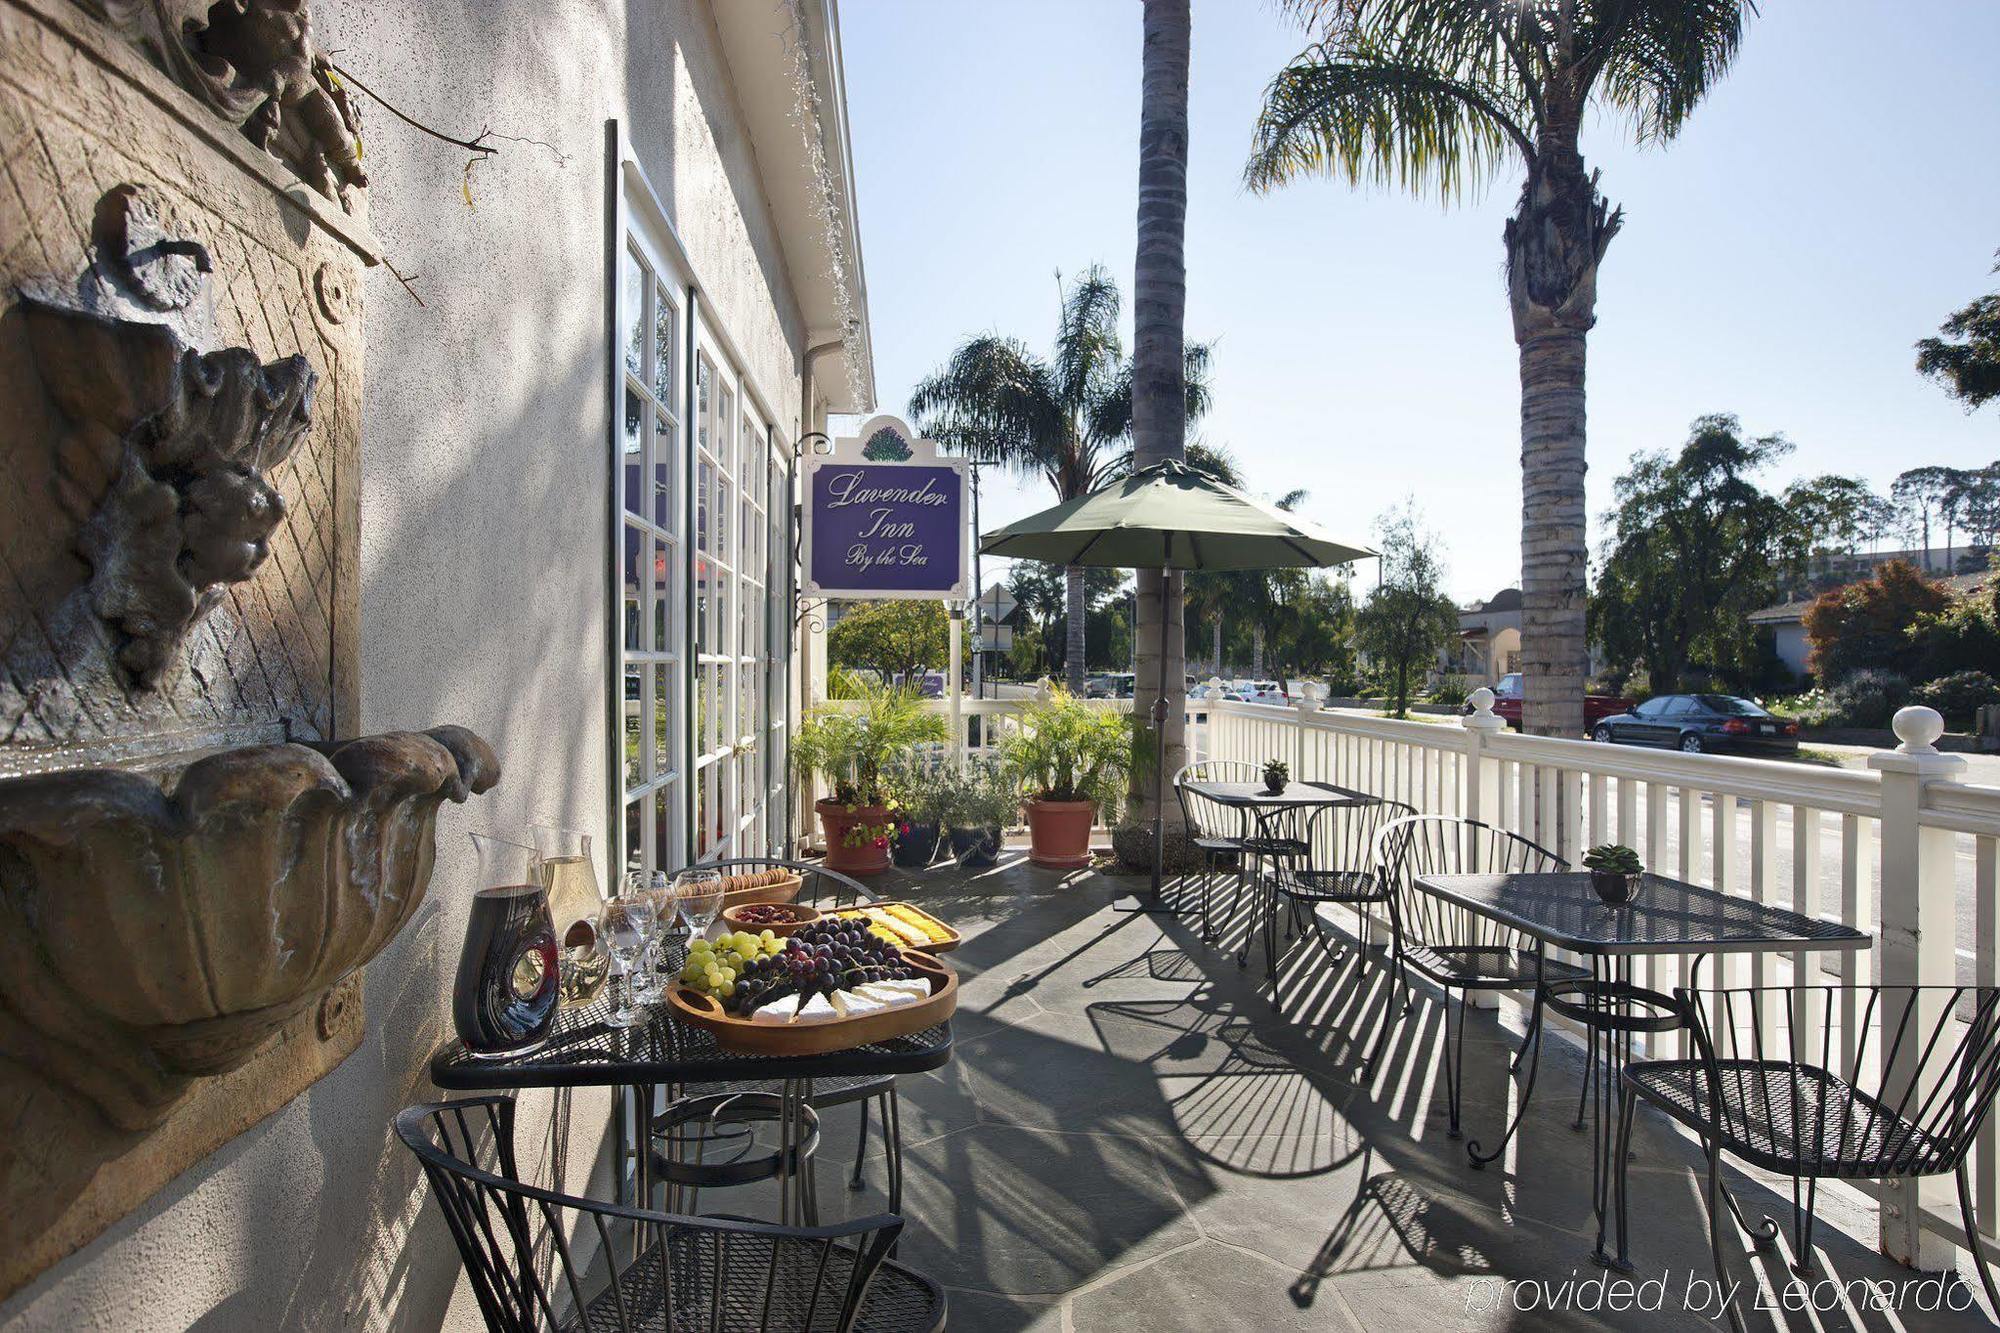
(1067, 418)
(1436, 96)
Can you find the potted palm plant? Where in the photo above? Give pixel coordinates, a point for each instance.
(981, 799)
(849, 748)
(1070, 761)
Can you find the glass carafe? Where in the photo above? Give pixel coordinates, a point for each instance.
(570, 876)
(504, 1000)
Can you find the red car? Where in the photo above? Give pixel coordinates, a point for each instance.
(1507, 704)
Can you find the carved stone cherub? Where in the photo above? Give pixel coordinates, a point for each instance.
(306, 114)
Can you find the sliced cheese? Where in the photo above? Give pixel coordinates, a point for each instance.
(896, 992)
(855, 1004)
(817, 1007)
(779, 1010)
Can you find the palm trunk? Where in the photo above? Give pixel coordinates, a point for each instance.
(1215, 642)
(1257, 650)
(1073, 629)
(1159, 375)
(1554, 242)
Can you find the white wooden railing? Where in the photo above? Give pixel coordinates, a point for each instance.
(1902, 850)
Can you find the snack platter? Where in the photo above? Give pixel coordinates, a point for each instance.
(825, 1027)
(905, 925)
(764, 886)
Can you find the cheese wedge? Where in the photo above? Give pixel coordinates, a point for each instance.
(817, 1007)
(853, 1004)
(779, 1010)
(896, 992)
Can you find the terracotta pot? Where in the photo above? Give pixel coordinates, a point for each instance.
(1059, 833)
(836, 819)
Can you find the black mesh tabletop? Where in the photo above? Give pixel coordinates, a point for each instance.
(1664, 916)
(585, 1051)
(1248, 795)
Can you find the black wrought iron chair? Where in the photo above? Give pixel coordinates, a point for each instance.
(1339, 869)
(1457, 950)
(824, 889)
(1763, 1088)
(540, 1260)
(1216, 830)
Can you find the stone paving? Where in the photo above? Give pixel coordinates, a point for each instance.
(1132, 1137)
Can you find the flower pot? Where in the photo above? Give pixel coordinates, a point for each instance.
(1059, 833)
(872, 856)
(1275, 786)
(976, 848)
(916, 845)
(1614, 886)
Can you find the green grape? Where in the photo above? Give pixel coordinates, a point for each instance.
(767, 936)
(700, 945)
(726, 989)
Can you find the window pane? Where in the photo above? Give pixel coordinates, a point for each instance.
(665, 344)
(666, 447)
(663, 598)
(666, 851)
(635, 833)
(634, 300)
(635, 453)
(725, 427)
(664, 680)
(704, 806)
(633, 575)
(704, 394)
(724, 496)
(704, 485)
(635, 705)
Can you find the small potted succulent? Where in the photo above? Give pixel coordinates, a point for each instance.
(979, 800)
(1071, 761)
(849, 748)
(1614, 872)
(916, 783)
(1276, 774)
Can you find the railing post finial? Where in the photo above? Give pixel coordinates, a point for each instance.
(1918, 728)
(1482, 717)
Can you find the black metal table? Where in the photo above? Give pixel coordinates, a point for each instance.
(1254, 801)
(1665, 916)
(584, 1051)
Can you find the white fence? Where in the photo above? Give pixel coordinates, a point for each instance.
(1902, 851)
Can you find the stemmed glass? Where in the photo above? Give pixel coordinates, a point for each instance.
(627, 924)
(697, 896)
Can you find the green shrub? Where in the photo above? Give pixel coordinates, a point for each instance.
(1867, 699)
(1451, 690)
(850, 749)
(1068, 751)
(1958, 696)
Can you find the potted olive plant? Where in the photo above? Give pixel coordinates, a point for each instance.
(1070, 761)
(980, 800)
(849, 750)
(916, 780)
(1614, 872)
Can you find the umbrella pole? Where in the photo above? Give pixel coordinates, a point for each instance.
(1160, 748)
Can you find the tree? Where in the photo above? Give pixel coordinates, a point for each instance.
(1921, 494)
(1317, 637)
(1435, 96)
(1407, 618)
(899, 637)
(1063, 418)
(1696, 546)
(1868, 624)
(1834, 513)
(1159, 357)
(1966, 359)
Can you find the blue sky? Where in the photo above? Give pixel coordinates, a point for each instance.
(1831, 202)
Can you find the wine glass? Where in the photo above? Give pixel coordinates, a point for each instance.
(697, 894)
(627, 924)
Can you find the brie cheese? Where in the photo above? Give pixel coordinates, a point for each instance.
(817, 1007)
(855, 1003)
(777, 1011)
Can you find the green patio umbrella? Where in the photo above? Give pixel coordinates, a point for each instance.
(1168, 516)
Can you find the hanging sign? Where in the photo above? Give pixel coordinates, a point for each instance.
(885, 517)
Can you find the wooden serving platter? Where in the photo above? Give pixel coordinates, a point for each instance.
(950, 940)
(820, 1035)
(765, 887)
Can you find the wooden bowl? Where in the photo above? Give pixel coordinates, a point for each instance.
(821, 1035)
(802, 915)
(764, 887)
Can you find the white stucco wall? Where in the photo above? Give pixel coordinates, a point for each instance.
(484, 475)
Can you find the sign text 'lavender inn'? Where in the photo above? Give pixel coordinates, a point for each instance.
(885, 517)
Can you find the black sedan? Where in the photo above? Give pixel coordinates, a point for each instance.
(1701, 723)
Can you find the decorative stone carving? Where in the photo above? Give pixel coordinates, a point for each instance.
(253, 62)
(172, 505)
(149, 938)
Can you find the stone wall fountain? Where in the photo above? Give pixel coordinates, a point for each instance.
(197, 856)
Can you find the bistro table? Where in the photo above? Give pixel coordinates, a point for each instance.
(1251, 800)
(584, 1051)
(1664, 916)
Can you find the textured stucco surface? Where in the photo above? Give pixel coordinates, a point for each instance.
(484, 478)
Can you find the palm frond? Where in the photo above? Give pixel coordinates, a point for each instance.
(1216, 461)
(993, 401)
(1655, 59)
(1088, 352)
(1365, 109)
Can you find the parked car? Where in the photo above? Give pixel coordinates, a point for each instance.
(1701, 723)
(1507, 704)
(1266, 692)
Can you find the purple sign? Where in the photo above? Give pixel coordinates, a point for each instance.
(885, 530)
